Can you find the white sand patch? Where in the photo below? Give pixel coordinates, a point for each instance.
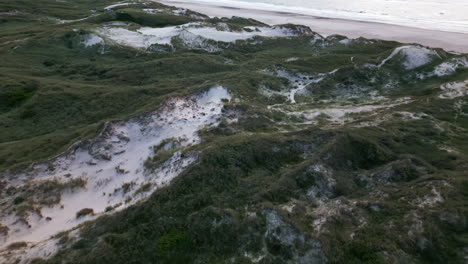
(185, 12)
(233, 36)
(407, 116)
(292, 59)
(108, 8)
(61, 21)
(113, 166)
(416, 228)
(270, 93)
(454, 89)
(44, 250)
(336, 208)
(134, 39)
(450, 67)
(376, 96)
(399, 115)
(413, 56)
(338, 116)
(446, 68)
(279, 31)
(346, 42)
(336, 40)
(335, 115)
(355, 114)
(327, 210)
(449, 149)
(153, 11)
(431, 199)
(218, 35)
(177, 12)
(116, 24)
(417, 56)
(324, 185)
(192, 35)
(316, 38)
(24, 255)
(92, 40)
(289, 207)
(10, 13)
(298, 81)
(255, 258)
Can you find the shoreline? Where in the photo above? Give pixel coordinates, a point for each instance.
(449, 41)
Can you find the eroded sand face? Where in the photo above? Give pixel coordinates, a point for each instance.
(111, 171)
(196, 35)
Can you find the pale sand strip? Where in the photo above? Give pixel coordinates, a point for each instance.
(450, 41)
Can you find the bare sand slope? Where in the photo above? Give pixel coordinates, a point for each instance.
(450, 41)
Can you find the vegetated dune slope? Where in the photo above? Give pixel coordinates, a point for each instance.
(135, 132)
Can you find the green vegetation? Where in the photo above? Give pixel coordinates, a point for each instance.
(31, 197)
(17, 245)
(84, 212)
(218, 206)
(272, 187)
(162, 153)
(173, 241)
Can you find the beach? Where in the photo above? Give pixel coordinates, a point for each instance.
(450, 41)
